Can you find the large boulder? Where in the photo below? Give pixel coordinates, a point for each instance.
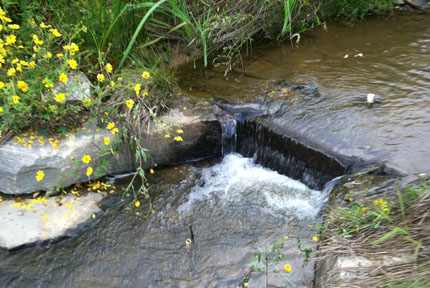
(23, 156)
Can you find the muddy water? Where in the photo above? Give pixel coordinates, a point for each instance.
(231, 205)
(390, 58)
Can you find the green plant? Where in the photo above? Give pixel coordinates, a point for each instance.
(352, 10)
(37, 62)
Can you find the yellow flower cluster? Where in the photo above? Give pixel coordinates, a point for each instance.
(383, 205)
(24, 61)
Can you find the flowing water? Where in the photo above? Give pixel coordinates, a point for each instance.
(233, 203)
(390, 58)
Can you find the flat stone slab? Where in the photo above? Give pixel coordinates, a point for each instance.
(44, 219)
(60, 157)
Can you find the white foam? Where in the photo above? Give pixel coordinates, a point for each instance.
(239, 180)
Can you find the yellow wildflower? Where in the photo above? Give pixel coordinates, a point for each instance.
(6, 19)
(60, 55)
(40, 175)
(23, 86)
(86, 158)
(144, 94)
(363, 209)
(110, 125)
(42, 25)
(137, 203)
(13, 26)
(89, 171)
(47, 55)
(10, 40)
(316, 238)
(115, 131)
(151, 171)
(74, 47)
(129, 103)
(32, 65)
(109, 68)
(60, 97)
(32, 22)
(287, 268)
(145, 75)
(179, 131)
(36, 40)
(2, 85)
(84, 28)
(86, 102)
(112, 83)
(137, 89)
(11, 72)
(178, 138)
(100, 77)
(107, 140)
(72, 63)
(63, 78)
(66, 47)
(15, 99)
(119, 79)
(23, 63)
(14, 61)
(167, 136)
(1, 111)
(19, 67)
(55, 32)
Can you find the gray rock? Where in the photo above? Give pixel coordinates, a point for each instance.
(43, 219)
(77, 88)
(417, 4)
(19, 164)
(334, 271)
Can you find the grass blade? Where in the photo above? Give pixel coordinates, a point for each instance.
(138, 29)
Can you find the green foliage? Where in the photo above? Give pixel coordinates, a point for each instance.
(352, 10)
(369, 215)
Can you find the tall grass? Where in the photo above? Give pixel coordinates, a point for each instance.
(118, 29)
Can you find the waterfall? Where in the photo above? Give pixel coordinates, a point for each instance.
(229, 136)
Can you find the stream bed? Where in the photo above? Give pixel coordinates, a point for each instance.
(232, 204)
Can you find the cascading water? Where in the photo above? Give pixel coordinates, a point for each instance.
(229, 136)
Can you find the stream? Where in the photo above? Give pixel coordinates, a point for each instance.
(390, 58)
(235, 205)
(231, 204)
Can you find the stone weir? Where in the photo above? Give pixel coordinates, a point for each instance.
(207, 131)
(210, 131)
(287, 152)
